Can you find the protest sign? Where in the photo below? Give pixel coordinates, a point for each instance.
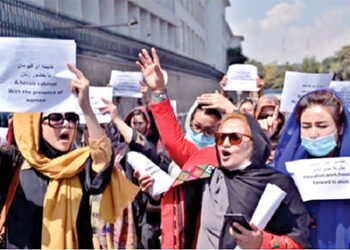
(242, 77)
(34, 76)
(173, 104)
(96, 93)
(162, 181)
(321, 179)
(343, 88)
(267, 206)
(297, 84)
(126, 83)
(3, 133)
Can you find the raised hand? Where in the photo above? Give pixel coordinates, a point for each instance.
(223, 83)
(111, 109)
(151, 70)
(260, 83)
(270, 124)
(144, 89)
(80, 86)
(216, 101)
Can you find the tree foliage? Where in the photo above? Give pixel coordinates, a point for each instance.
(310, 65)
(259, 65)
(342, 66)
(235, 56)
(273, 74)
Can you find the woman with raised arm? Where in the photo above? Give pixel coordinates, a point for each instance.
(50, 207)
(318, 128)
(227, 178)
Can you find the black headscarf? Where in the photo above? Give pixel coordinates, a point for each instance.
(245, 188)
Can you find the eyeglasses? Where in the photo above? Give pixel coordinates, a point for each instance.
(56, 120)
(206, 131)
(234, 138)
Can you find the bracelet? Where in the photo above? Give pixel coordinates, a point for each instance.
(157, 97)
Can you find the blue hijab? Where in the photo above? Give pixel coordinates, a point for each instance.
(330, 223)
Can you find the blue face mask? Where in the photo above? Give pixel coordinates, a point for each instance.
(320, 146)
(201, 140)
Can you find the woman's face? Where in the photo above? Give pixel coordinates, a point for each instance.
(232, 156)
(138, 123)
(317, 121)
(60, 139)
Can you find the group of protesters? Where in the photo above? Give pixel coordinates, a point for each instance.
(56, 195)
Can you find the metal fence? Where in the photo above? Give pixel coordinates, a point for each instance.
(20, 19)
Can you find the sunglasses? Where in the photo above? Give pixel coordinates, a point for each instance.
(234, 138)
(56, 120)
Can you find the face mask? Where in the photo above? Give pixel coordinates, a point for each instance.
(201, 140)
(320, 146)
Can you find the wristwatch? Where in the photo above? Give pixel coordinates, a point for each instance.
(157, 97)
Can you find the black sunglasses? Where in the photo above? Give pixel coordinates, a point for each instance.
(234, 138)
(56, 120)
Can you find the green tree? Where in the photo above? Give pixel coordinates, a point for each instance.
(310, 65)
(270, 75)
(329, 64)
(235, 56)
(259, 65)
(342, 68)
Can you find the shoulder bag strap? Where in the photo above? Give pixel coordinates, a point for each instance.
(9, 198)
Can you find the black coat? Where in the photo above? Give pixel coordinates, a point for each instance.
(245, 188)
(24, 219)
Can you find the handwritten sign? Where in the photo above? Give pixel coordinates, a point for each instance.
(34, 76)
(126, 83)
(96, 93)
(343, 88)
(321, 179)
(297, 84)
(242, 77)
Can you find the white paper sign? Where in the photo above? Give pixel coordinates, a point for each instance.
(162, 181)
(3, 133)
(242, 77)
(267, 206)
(343, 88)
(297, 84)
(321, 179)
(126, 83)
(34, 76)
(96, 93)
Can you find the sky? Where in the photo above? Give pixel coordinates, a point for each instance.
(280, 31)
